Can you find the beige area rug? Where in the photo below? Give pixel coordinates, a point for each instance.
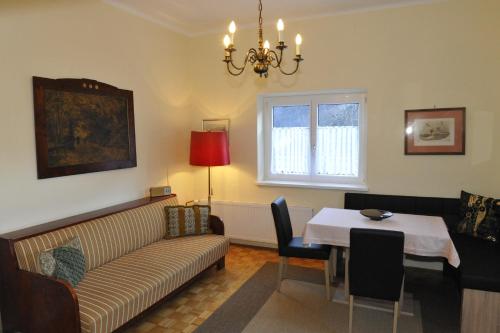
(302, 307)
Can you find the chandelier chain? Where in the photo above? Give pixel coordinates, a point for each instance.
(261, 37)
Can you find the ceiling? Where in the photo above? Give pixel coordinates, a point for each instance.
(197, 17)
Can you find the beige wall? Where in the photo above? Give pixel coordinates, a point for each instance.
(92, 40)
(444, 55)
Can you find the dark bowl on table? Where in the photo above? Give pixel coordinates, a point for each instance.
(376, 214)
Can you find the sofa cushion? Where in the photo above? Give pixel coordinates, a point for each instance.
(102, 239)
(478, 217)
(187, 220)
(114, 293)
(65, 262)
(479, 262)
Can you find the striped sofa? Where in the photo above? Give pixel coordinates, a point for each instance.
(129, 268)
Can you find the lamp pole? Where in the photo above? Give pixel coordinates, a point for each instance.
(209, 189)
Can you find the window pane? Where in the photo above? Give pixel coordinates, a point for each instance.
(291, 116)
(337, 146)
(290, 151)
(338, 114)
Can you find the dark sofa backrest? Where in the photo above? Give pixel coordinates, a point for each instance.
(403, 204)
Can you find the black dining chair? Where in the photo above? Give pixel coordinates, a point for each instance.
(376, 268)
(289, 246)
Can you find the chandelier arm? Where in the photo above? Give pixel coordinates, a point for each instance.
(230, 62)
(294, 71)
(237, 72)
(250, 52)
(276, 58)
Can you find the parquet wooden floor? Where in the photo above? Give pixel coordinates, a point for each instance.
(191, 307)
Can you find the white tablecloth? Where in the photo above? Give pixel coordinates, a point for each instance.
(424, 235)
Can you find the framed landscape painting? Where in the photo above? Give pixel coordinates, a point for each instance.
(435, 131)
(82, 126)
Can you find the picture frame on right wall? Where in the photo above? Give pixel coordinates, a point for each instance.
(435, 131)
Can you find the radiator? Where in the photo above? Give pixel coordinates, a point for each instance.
(252, 223)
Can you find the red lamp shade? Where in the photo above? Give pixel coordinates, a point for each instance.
(209, 149)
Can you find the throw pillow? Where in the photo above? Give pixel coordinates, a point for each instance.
(65, 262)
(187, 220)
(479, 218)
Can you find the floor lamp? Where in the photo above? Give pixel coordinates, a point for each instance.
(209, 149)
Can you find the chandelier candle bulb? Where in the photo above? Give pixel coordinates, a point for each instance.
(298, 42)
(266, 46)
(227, 42)
(232, 30)
(281, 26)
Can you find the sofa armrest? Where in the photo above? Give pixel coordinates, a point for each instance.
(41, 304)
(216, 225)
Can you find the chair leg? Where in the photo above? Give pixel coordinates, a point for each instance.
(346, 271)
(327, 279)
(281, 271)
(401, 297)
(351, 310)
(285, 268)
(396, 315)
(333, 260)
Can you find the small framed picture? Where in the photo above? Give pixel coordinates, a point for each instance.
(435, 131)
(215, 125)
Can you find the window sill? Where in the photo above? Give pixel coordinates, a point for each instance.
(324, 186)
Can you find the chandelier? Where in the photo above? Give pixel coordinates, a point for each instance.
(263, 57)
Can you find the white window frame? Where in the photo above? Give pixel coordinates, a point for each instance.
(265, 102)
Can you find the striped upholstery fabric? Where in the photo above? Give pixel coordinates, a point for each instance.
(114, 293)
(102, 239)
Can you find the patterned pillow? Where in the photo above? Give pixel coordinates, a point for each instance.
(479, 218)
(65, 262)
(187, 220)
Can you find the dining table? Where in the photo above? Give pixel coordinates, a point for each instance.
(425, 236)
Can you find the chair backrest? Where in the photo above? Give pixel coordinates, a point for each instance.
(282, 223)
(376, 263)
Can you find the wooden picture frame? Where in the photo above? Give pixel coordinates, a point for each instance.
(215, 125)
(435, 131)
(82, 126)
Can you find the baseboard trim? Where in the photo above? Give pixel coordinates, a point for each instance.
(252, 243)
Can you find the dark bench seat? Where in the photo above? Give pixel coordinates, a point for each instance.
(479, 263)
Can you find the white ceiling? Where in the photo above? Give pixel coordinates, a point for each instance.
(197, 17)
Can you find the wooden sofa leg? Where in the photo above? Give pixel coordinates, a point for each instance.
(221, 263)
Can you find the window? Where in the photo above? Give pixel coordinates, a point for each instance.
(312, 140)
